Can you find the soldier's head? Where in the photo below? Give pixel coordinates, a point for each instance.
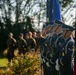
(57, 29)
(58, 26)
(21, 36)
(67, 31)
(27, 35)
(10, 35)
(34, 34)
(48, 28)
(30, 34)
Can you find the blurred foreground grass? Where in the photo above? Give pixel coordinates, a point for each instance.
(3, 62)
(31, 65)
(3, 65)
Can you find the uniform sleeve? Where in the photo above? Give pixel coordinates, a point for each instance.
(33, 43)
(57, 50)
(67, 54)
(25, 43)
(14, 40)
(7, 43)
(44, 51)
(16, 44)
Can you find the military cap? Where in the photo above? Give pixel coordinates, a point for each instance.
(68, 28)
(21, 34)
(64, 26)
(58, 22)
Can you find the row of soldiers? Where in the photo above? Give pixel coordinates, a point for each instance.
(29, 42)
(57, 49)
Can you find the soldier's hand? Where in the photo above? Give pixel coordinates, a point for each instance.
(57, 62)
(47, 64)
(44, 60)
(57, 65)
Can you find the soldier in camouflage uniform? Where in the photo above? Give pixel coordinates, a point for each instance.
(39, 40)
(31, 42)
(21, 44)
(11, 46)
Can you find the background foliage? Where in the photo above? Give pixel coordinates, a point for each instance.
(13, 15)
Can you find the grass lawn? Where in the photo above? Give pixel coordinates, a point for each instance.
(3, 65)
(3, 62)
(5, 69)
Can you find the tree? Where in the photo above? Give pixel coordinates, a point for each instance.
(13, 14)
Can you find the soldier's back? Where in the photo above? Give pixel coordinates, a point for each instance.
(10, 42)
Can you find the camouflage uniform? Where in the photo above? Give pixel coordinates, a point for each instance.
(31, 43)
(11, 47)
(22, 46)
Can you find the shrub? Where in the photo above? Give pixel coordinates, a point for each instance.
(28, 64)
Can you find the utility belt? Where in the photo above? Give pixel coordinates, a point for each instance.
(21, 48)
(65, 65)
(11, 48)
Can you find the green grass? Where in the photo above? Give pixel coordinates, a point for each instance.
(3, 62)
(3, 59)
(3, 65)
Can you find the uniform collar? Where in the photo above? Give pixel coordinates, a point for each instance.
(68, 39)
(60, 34)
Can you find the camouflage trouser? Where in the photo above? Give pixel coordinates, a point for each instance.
(10, 54)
